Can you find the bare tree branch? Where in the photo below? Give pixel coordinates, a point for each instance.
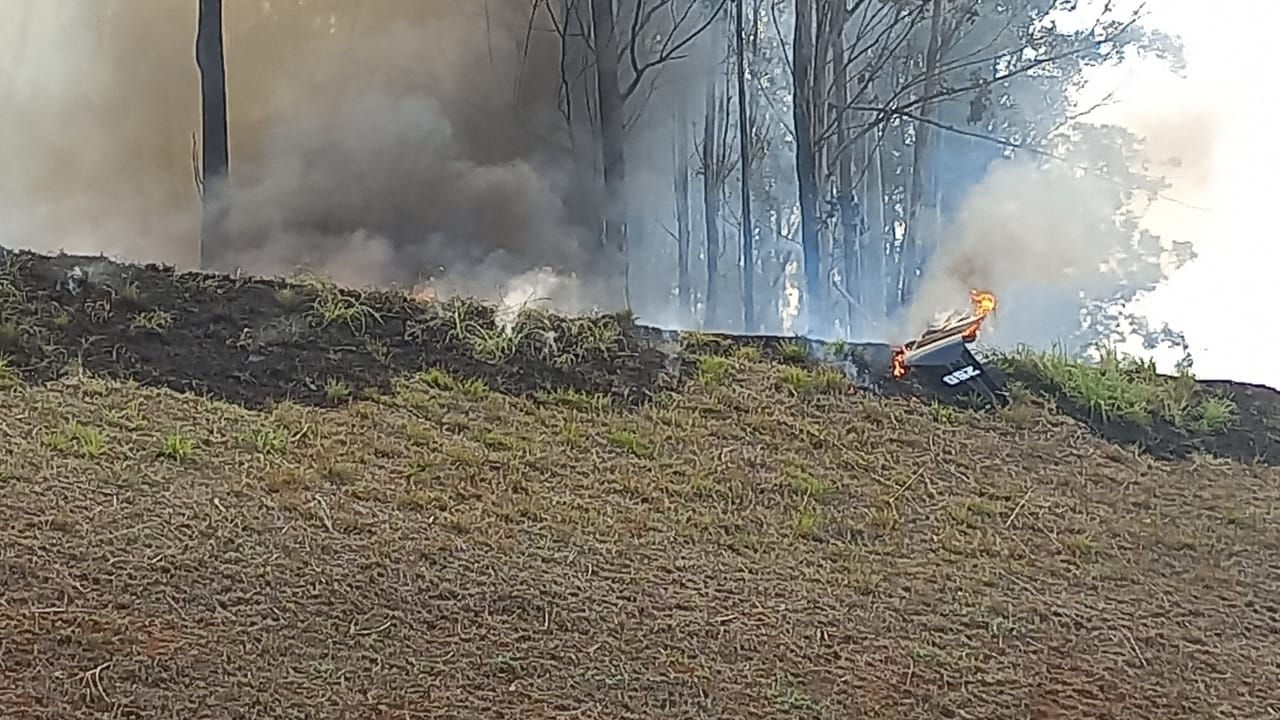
(670, 50)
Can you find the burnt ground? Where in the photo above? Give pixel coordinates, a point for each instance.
(256, 341)
(614, 531)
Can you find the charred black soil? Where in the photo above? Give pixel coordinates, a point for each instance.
(360, 506)
(255, 341)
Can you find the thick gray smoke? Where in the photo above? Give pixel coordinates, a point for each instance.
(1049, 236)
(1101, 223)
(397, 140)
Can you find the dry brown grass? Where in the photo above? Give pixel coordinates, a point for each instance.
(758, 546)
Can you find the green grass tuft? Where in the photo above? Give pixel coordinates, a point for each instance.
(336, 390)
(714, 369)
(1120, 387)
(630, 442)
(334, 306)
(177, 447)
(575, 399)
(75, 438)
(696, 342)
(793, 351)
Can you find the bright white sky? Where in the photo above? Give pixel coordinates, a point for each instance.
(1224, 299)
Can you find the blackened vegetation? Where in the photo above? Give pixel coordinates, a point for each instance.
(255, 341)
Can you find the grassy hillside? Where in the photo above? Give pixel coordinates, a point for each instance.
(235, 498)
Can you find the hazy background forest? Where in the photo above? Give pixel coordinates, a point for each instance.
(843, 168)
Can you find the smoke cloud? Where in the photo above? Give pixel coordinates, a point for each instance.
(422, 141)
(406, 139)
(1050, 236)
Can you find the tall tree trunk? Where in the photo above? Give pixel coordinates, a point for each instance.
(914, 251)
(683, 231)
(744, 148)
(711, 206)
(850, 219)
(773, 265)
(806, 162)
(215, 160)
(876, 214)
(612, 133)
(579, 108)
(819, 118)
(891, 186)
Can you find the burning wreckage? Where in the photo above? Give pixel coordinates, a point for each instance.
(941, 355)
(938, 363)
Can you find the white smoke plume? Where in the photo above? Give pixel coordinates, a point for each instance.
(1049, 236)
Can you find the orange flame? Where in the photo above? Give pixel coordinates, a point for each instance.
(899, 362)
(984, 303)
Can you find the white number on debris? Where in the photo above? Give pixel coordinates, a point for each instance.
(959, 376)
